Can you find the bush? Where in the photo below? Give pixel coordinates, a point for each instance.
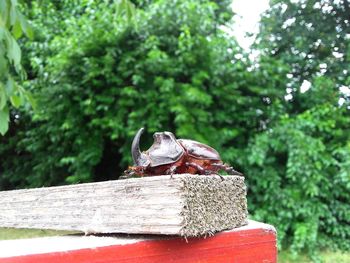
(172, 69)
(299, 178)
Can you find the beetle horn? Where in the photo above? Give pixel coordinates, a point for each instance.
(135, 149)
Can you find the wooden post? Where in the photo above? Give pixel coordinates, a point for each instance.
(255, 242)
(186, 205)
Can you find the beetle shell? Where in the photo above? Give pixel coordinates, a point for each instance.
(199, 150)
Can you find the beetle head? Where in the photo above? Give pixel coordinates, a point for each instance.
(139, 158)
(162, 136)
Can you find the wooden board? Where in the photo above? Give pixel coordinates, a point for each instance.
(255, 242)
(186, 205)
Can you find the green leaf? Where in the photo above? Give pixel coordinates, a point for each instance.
(10, 86)
(3, 61)
(17, 29)
(31, 99)
(16, 101)
(3, 96)
(26, 27)
(3, 13)
(4, 120)
(130, 10)
(14, 2)
(14, 52)
(12, 14)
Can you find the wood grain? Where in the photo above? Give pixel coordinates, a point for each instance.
(187, 205)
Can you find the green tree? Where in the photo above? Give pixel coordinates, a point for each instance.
(101, 79)
(298, 165)
(312, 37)
(12, 25)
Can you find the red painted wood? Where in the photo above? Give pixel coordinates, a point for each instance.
(251, 245)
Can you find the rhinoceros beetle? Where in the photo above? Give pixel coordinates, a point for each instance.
(169, 155)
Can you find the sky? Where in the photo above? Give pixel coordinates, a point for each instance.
(247, 19)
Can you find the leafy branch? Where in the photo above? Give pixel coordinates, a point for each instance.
(12, 26)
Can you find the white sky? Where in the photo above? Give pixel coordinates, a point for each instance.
(247, 19)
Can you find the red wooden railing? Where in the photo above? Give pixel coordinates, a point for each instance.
(255, 242)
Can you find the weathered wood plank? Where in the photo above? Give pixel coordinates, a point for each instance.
(187, 205)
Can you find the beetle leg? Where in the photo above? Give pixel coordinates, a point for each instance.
(227, 169)
(127, 174)
(203, 171)
(221, 177)
(171, 171)
(200, 169)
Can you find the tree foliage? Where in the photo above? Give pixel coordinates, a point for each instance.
(12, 26)
(313, 37)
(299, 166)
(173, 69)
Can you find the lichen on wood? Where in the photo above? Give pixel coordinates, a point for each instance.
(213, 204)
